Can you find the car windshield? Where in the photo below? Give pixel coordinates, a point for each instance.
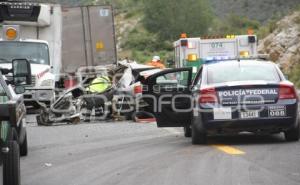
(220, 73)
(35, 53)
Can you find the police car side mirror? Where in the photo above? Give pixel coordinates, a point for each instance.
(21, 72)
(286, 77)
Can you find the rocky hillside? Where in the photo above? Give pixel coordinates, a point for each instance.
(283, 44)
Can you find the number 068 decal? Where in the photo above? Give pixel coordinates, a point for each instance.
(277, 111)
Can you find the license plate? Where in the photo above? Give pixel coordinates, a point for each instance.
(249, 114)
(277, 111)
(222, 113)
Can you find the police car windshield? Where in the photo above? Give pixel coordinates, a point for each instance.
(35, 53)
(243, 71)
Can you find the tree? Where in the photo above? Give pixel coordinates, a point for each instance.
(169, 18)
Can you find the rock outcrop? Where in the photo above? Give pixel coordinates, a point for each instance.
(283, 45)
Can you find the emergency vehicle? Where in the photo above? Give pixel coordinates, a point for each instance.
(225, 97)
(193, 52)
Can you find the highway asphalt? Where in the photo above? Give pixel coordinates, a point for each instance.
(127, 153)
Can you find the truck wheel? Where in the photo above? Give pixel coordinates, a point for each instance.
(85, 114)
(39, 120)
(24, 147)
(11, 164)
(293, 134)
(75, 120)
(198, 136)
(187, 131)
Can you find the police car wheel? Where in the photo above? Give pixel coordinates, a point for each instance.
(293, 134)
(24, 147)
(11, 165)
(198, 136)
(187, 131)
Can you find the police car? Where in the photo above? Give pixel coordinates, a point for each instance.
(225, 97)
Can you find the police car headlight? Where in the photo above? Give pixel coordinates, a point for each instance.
(47, 83)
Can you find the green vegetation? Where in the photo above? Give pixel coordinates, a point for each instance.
(163, 22)
(266, 29)
(259, 10)
(145, 45)
(169, 18)
(143, 40)
(234, 24)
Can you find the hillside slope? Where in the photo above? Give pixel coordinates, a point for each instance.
(260, 10)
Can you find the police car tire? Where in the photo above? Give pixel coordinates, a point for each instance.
(187, 131)
(11, 165)
(293, 134)
(24, 147)
(198, 136)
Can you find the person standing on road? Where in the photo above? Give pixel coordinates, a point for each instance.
(156, 62)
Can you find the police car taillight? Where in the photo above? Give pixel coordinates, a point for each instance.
(287, 91)
(208, 95)
(138, 89)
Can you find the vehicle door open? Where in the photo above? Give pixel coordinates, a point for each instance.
(169, 96)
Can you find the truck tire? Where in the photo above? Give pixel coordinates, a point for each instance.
(41, 121)
(11, 164)
(85, 114)
(24, 147)
(187, 131)
(198, 136)
(293, 134)
(75, 120)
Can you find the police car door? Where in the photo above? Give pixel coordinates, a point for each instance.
(169, 96)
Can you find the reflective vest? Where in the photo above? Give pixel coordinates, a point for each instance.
(99, 85)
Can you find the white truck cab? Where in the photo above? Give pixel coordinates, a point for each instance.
(33, 31)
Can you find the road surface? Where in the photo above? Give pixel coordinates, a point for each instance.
(126, 153)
